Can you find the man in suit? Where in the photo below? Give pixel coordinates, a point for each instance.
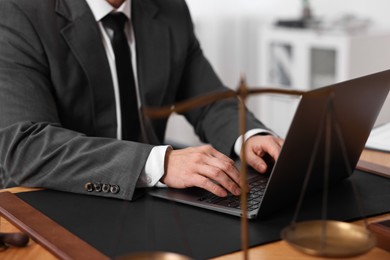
(60, 122)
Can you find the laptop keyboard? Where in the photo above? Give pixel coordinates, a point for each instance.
(256, 191)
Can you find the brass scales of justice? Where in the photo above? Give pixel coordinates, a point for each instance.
(325, 238)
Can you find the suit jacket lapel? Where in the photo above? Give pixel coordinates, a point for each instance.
(153, 58)
(153, 62)
(153, 52)
(84, 39)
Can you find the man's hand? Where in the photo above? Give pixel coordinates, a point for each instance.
(202, 167)
(260, 147)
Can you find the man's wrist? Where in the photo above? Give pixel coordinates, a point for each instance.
(166, 161)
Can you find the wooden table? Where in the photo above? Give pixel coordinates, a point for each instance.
(277, 250)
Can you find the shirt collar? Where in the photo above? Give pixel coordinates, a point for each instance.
(100, 8)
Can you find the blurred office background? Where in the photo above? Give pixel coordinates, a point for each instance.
(345, 39)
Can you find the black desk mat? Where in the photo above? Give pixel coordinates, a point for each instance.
(118, 228)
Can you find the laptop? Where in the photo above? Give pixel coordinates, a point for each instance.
(330, 127)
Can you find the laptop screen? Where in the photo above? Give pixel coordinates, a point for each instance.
(327, 135)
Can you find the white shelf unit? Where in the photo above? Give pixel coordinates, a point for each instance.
(307, 59)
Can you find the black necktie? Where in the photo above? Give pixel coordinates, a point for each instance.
(127, 93)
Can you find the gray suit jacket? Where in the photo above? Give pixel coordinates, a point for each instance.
(57, 106)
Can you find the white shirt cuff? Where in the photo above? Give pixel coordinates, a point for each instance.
(154, 168)
(250, 133)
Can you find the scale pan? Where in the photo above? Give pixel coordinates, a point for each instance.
(329, 238)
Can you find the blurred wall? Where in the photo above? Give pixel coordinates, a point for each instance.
(229, 29)
(377, 10)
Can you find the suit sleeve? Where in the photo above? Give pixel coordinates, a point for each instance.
(35, 150)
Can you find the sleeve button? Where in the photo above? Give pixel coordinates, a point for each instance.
(106, 187)
(114, 189)
(88, 187)
(98, 187)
